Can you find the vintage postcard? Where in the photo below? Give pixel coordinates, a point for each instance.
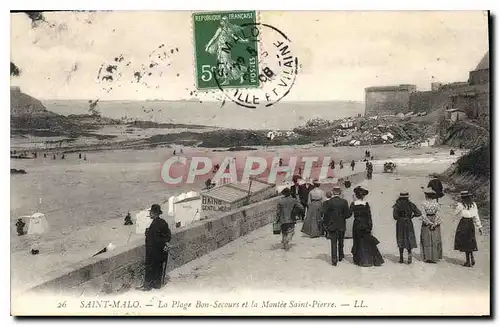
(246, 162)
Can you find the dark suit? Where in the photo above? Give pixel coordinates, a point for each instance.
(157, 235)
(335, 211)
(303, 196)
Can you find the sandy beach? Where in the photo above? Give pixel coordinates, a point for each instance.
(85, 201)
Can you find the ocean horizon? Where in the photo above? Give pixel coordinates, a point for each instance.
(282, 115)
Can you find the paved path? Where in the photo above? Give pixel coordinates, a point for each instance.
(255, 262)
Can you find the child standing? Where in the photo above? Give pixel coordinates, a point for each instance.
(465, 236)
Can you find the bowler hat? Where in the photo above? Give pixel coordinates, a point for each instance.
(155, 208)
(404, 194)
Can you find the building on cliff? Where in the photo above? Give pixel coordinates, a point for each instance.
(381, 100)
(470, 97)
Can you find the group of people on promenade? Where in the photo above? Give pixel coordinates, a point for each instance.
(326, 215)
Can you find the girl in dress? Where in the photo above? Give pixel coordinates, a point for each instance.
(430, 234)
(403, 212)
(364, 249)
(465, 237)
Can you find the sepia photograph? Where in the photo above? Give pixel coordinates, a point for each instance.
(250, 163)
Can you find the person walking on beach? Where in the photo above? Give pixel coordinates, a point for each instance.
(341, 164)
(285, 216)
(403, 212)
(20, 226)
(364, 245)
(465, 236)
(311, 225)
(353, 164)
(335, 211)
(437, 186)
(430, 232)
(158, 234)
(369, 170)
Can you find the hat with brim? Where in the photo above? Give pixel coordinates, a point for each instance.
(336, 190)
(155, 208)
(465, 193)
(404, 194)
(316, 183)
(360, 191)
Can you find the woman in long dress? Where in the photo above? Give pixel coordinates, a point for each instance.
(311, 225)
(465, 236)
(403, 212)
(430, 232)
(364, 249)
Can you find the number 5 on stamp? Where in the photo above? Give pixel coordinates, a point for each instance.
(226, 49)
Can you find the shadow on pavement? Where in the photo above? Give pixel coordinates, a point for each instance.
(454, 261)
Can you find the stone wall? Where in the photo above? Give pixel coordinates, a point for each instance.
(388, 100)
(123, 268)
(430, 101)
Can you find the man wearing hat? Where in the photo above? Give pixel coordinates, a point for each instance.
(437, 186)
(335, 211)
(157, 236)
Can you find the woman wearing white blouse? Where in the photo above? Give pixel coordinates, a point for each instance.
(465, 237)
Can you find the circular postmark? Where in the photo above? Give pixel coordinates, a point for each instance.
(266, 73)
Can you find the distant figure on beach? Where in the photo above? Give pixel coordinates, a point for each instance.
(369, 171)
(403, 212)
(174, 152)
(80, 156)
(20, 227)
(182, 151)
(281, 162)
(452, 152)
(437, 186)
(332, 164)
(364, 245)
(341, 164)
(35, 155)
(465, 236)
(158, 234)
(285, 216)
(84, 157)
(431, 245)
(128, 219)
(353, 164)
(62, 157)
(54, 157)
(44, 155)
(311, 225)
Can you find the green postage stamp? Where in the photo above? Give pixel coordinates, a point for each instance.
(226, 50)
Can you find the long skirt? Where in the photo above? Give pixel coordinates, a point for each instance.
(430, 242)
(405, 234)
(364, 249)
(465, 237)
(311, 225)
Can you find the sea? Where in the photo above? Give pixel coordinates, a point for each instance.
(282, 115)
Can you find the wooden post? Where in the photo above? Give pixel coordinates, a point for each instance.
(249, 191)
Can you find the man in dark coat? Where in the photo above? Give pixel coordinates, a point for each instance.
(436, 185)
(335, 211)
(285, 216)
(353, 164)
(300, 191)
(157, 236)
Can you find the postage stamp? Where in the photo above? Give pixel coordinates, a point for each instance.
(222, 45)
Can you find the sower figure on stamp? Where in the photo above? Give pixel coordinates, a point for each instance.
(285, 216)
(226, 34)
(157, 236)
(403, 212)
(335, 211)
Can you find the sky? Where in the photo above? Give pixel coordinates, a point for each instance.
(340, 53)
